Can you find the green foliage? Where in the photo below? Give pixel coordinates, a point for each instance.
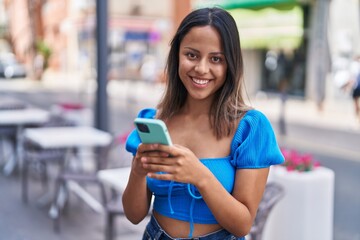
(43, 49)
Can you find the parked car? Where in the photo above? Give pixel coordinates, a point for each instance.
(10, 67)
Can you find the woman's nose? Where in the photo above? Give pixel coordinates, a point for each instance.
(202, 67)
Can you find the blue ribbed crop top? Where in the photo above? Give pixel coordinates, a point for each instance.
(253, 146)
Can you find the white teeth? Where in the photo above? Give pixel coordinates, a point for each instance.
(200, 81)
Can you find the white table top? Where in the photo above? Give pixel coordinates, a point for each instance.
(65, 137)
(23, 116)
(116, 178)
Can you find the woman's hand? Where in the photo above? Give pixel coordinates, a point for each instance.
(175, 163)
(144, 151)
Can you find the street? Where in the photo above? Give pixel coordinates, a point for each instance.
(335, 149)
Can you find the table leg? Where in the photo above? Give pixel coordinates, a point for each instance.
(59, 202)
(11, 164)
(60, 189)
(7, 149)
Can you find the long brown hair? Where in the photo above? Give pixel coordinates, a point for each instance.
(228, 104)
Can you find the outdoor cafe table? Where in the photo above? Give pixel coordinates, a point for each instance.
(70, 138)
(20, 118)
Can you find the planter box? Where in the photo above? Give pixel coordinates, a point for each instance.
(306, 211)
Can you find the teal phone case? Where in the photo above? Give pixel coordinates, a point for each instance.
(152, 131)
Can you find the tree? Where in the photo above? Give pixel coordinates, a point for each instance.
(39, 51)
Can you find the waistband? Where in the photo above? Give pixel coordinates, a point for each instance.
(157, 233)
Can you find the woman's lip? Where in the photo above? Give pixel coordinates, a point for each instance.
(200, 81)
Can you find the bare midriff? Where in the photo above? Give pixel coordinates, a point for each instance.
(180, 229)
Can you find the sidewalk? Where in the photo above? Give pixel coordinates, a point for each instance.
(335, 115)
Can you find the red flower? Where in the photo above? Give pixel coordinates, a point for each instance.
(294, 161)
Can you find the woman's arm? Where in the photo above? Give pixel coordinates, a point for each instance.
(235, 212)
(136, 197)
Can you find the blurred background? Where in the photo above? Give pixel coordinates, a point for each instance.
(299, 56)
(60, 36)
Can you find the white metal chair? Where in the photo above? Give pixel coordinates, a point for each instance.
(272, 195)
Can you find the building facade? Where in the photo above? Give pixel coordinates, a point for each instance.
(290, 46)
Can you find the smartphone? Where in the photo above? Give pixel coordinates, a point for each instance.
(152, 131)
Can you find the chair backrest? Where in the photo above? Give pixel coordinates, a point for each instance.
(272, 194)
(58, 121)
(113, 155)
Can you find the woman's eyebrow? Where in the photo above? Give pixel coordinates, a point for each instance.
(192, 49)
(197, 51)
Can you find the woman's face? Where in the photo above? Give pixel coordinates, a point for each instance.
(202, 64)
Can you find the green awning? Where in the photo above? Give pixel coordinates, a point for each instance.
(253, 4)
(269, 24)
(269, 27)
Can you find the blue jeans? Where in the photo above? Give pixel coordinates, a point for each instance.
(153, 231)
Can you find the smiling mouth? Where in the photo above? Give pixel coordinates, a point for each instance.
(200, 81)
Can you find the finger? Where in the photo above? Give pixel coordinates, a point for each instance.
(144, 148)
(171, 150)
(155, 154)
(156, 167)
(160, 176)
(157, 160)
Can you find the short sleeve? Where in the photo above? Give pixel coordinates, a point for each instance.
(254, 144)
(133, 140)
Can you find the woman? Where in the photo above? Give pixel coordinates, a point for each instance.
(207, 185)
(355, 84)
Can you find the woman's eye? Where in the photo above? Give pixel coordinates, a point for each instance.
(191, 55)
(216, 59)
